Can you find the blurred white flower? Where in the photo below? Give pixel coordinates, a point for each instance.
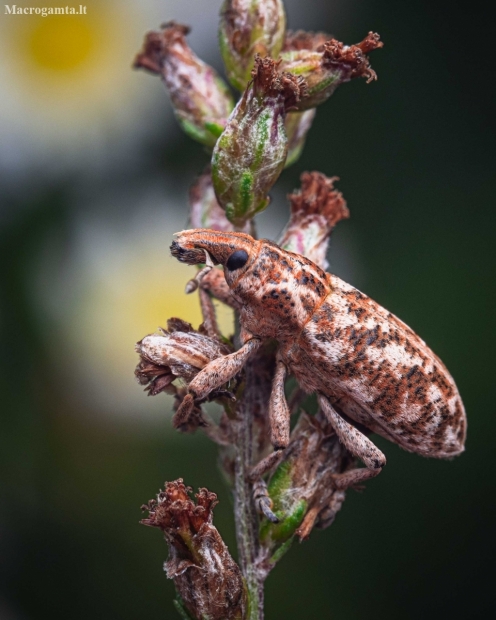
(69, 98)
(116, 284)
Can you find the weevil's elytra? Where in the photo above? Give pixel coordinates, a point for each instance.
(360, 359)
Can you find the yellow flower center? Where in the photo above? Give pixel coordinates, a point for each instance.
(60, 43)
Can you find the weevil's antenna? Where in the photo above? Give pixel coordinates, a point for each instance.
(193, 284)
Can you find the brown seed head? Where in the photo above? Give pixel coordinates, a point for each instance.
(204, 573)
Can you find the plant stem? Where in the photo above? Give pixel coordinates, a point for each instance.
(244, 510)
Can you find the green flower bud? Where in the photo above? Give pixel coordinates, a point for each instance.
(201, 100)
(250, 154)
(205, 211)
(297, 126)
(327, 65)
(315, 209)
(247, 28)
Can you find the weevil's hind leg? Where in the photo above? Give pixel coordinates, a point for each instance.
(359, 445)
(220, 370)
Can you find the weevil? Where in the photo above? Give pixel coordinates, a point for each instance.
(367, 367)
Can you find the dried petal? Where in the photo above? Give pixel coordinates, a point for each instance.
(202, 102)
(315, 209)
(247, 28)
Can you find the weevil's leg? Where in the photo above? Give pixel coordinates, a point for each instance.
(220, 370)
(279, 418)
(359, 445)
(267, 464)
(208, 314)
(279, 415)
(215, 283)
(262, 500)
(193, 284)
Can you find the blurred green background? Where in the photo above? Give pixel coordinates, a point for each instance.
(94, 180)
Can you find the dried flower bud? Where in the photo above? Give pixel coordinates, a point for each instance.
(250, 155)
(315, 209)
(201, 100)
(205, 211)
(297, 126)
(179, 351)
(247, 28)
(302, 487)
(206, 577)
(326, 65)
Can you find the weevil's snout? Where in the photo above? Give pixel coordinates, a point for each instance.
(189, 255)
(229, 249)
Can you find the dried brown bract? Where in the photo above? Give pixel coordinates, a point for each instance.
(206, 577)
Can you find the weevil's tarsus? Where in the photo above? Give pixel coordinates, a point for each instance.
(194, 283)
(262, 500)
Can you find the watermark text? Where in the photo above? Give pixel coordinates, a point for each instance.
(13, 9)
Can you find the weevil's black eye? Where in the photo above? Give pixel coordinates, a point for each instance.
(237, 260)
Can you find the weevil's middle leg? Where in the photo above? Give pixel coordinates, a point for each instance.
(359, 445)
(262, 500)
(279, 414)
(279, 418)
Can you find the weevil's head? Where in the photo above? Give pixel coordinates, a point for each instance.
(278, 290)
(235, 251)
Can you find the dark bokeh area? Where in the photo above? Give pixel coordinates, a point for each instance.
(85, 273)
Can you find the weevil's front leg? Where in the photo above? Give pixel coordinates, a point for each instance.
(222, 369)
(359, 445)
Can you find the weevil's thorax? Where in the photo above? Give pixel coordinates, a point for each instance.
(279, 292)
